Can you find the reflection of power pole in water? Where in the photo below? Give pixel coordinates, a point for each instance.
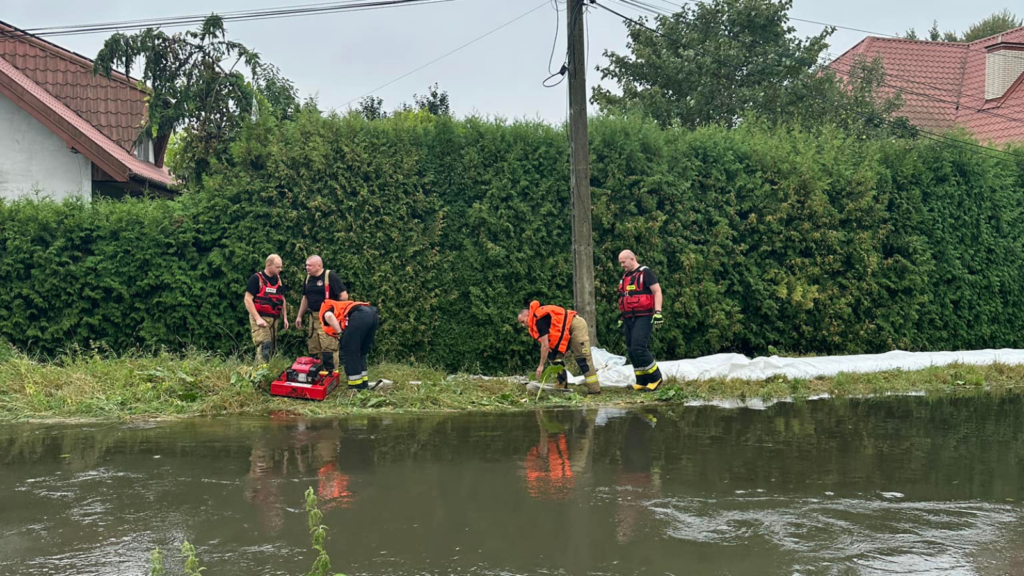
(638, 480)
(579, 520)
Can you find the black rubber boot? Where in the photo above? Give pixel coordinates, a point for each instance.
(327, 362)
(266, 351)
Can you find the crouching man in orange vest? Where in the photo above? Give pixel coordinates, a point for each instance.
(356, 323)
(560, 330)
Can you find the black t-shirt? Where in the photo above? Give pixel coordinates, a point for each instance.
(543, 325)
(253, 287)
(649, 278)
(314, 290)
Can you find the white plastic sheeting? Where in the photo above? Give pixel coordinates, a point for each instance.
(613, 371)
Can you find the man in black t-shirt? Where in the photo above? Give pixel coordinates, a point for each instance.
(320, 285)
(265, 302)
(639, 311)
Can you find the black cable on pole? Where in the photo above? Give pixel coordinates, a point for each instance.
(1003, 155)
(554, 41)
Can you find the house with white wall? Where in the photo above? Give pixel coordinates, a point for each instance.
(65, 131)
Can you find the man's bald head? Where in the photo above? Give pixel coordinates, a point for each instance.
(524, 317)
(314, 265)
(628, 260)
(273, 265)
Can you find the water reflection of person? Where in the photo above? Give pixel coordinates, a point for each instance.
(638, 479)
(262, 488)
(332, 485)
(554, 464)
(303, 449)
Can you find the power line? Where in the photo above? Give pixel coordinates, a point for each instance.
(241, 16)
(449, 53)
(963, 144)
(143, 21)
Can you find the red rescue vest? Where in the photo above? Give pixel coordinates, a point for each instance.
(561, 319)
(341, 310)
(269, 300)
(635, 298)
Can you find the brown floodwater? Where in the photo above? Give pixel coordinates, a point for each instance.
(896, 486)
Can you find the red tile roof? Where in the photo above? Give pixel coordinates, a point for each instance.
(115, 106)
(943, 84)
(76, 131)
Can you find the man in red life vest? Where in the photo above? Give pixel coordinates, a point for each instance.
(356, 323)
(560, 331)
(264, 299)
(639, 312)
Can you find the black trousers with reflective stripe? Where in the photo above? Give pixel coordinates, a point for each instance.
(358, 338)
(637, 331)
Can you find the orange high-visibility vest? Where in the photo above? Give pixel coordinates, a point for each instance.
(341, 310)
(561, 318)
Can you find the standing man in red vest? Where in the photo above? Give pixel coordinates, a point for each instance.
(639, 312)
(559, 331)
(264, 299)
(321, 285)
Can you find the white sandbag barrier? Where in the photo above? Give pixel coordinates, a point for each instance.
(614, 372)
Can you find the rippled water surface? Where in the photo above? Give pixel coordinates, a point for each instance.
(896, 486)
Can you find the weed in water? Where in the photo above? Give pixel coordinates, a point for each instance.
(156, 563)
(322, 564)
(192, 567)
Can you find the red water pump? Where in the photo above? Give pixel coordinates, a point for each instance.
(304, 380)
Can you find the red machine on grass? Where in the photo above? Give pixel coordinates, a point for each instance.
(304, 380)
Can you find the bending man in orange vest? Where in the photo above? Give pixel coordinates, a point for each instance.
(560, 330)
(356, 323)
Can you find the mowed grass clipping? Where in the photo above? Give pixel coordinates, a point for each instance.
(95, 386)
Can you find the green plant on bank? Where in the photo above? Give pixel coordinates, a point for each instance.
(93, 386)
(551, 373)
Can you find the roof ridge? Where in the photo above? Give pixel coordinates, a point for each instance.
(62, 52)
(919, 41)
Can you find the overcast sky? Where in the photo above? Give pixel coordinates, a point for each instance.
(341, 57)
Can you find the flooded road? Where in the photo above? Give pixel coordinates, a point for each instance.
(897, 486)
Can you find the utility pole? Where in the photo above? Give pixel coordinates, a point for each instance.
(579, 161)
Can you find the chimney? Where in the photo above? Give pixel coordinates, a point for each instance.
(1004, 63)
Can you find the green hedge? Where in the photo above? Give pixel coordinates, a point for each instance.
(763, 240)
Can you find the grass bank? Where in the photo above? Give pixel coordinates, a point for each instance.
(90, 386)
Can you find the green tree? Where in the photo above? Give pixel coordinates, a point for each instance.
(372, 108)
(713, 63)
(434, 101)
(196, 86)
(996, 23)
